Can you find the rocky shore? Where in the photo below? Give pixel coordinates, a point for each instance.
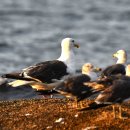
(58, 114)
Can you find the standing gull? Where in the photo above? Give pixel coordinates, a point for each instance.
(117, 93)
(48, 70)
(119, 67)
(72, 86)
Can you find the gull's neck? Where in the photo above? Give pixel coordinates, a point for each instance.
(68, 58)
(121, 61)
(65, 54)
(91, 74)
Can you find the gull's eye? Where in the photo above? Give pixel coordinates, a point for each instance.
(72, 41)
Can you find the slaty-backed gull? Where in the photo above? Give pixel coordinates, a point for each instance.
(119, 67)
(48, 70)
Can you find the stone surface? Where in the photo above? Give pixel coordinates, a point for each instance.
(42, 114)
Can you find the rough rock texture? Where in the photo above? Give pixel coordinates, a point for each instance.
(58, 114)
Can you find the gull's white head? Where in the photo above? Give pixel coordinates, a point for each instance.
(68, 44)
(67, 54)
(88, 69)
(121, 56)
(128, 70)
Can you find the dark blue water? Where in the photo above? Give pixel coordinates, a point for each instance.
(31, 30)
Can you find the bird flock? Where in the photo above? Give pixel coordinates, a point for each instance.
(111, 85)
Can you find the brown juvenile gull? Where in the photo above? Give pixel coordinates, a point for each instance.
(116, 93)
(72, 86)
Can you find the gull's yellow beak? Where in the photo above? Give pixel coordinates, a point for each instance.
(76, 45)
(114, 55)
(97, 69)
